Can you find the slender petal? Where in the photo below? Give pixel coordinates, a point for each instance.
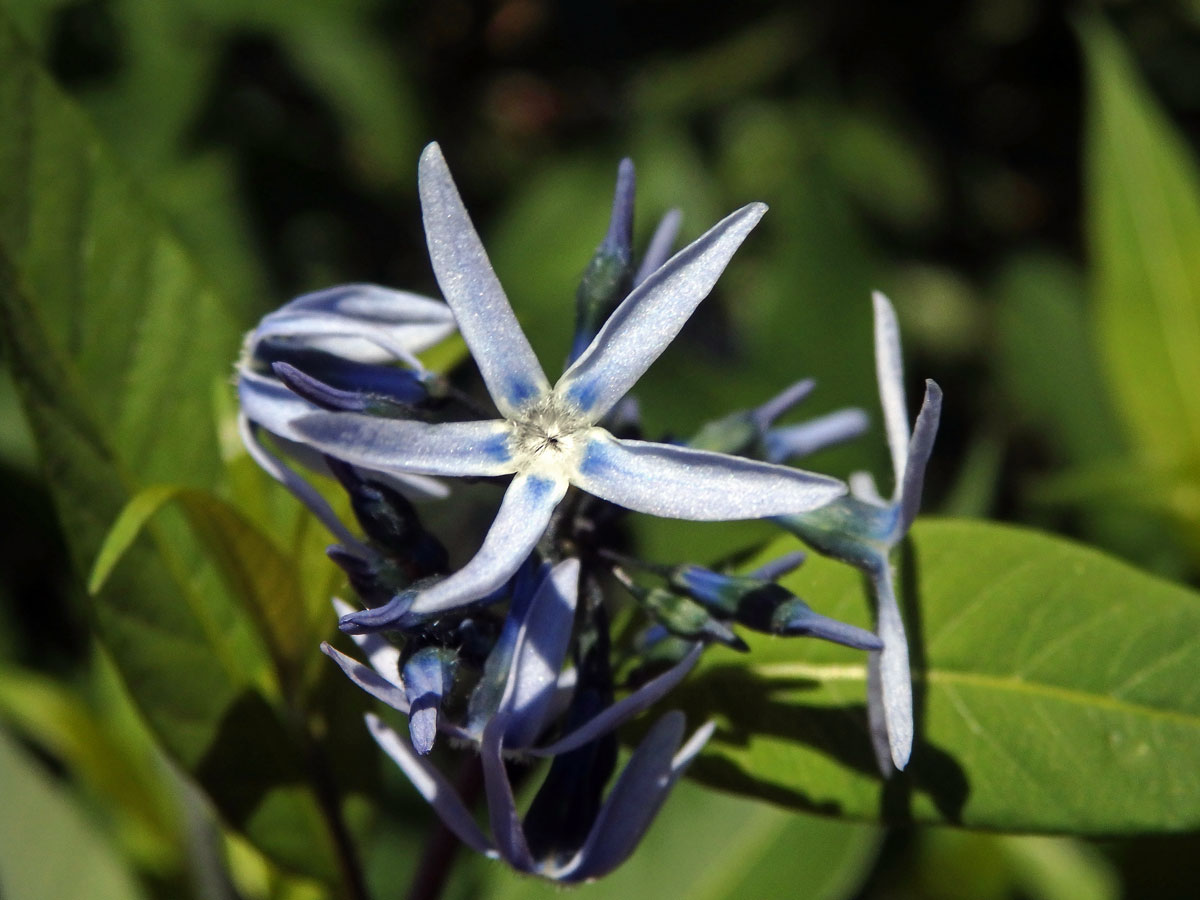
(369, 680)
(650, 317)
(523, 516)
(626, 708)
(268, 402)
(620, 225)
(766, 414)
(406, 445)
(502, 806)
(369, 319)
(290, 479)
(540, 653)
(794, 441)
(431, 785)
(511, 372)
(893, 696)
(659, 249)
(681, 483)
(383, 656)
(889, 371)
(632, 803)
(780, 566)
(919, 449)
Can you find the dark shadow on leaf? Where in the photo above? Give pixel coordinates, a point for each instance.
(746, 703)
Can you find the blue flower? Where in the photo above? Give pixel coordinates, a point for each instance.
(549, 438)
(861, 529)
(535, 692)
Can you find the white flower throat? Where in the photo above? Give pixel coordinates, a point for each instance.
(548, 437)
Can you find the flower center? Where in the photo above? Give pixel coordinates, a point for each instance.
(547, 437)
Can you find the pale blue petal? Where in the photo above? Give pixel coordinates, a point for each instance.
(268, 402)
(538, 657)
(632, 803)
(863, 487)
(889, 372)
(765, 415)
(431, 785)
(650, 317)
(659, 249)
(502, 806)
(682, 483)
(520, 522)
(382, 654)
(626, 708)
(290, 479)
(780, 566)
(406, 445)
(794, 441)
(919, 449)
(892, 694)
(510, 370)
(368, 679)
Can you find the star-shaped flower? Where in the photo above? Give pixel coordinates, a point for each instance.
(549, 438)
(861, 529)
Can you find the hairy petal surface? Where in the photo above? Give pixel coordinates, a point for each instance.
(406, 445)
(649, 318)
(682, 483)
(510, 370)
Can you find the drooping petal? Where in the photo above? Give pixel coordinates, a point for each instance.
(379, 317)
(268, 402)
(658, 251)
(374, 683)
(889, 372)
(890, 685)
(632, 803)
(624, 709)
(649, 318)
(795, 441)
(428, 677)
(540, 652)
(383, 656)
(502, 806)
(681, 483)
(511, 372)
(290, 479)
(919, 449)
(431, 785)
(406, 445)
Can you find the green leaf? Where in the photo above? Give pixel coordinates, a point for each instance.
(115, 342)
(48, 848)
(1143, 196)
(1055, 692)
(257, 573)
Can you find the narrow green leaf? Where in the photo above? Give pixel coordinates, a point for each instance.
(1055, 692)
(1143, 195)
(48, 848)
(115, 341)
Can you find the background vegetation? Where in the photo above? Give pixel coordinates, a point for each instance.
(1019, 177)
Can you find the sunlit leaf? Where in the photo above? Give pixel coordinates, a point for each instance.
(115, 342)
(1143, 194)
(1055, 691)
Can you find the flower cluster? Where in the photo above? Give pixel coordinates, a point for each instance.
(512, 653)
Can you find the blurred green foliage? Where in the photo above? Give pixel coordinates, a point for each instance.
(1043, 265)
